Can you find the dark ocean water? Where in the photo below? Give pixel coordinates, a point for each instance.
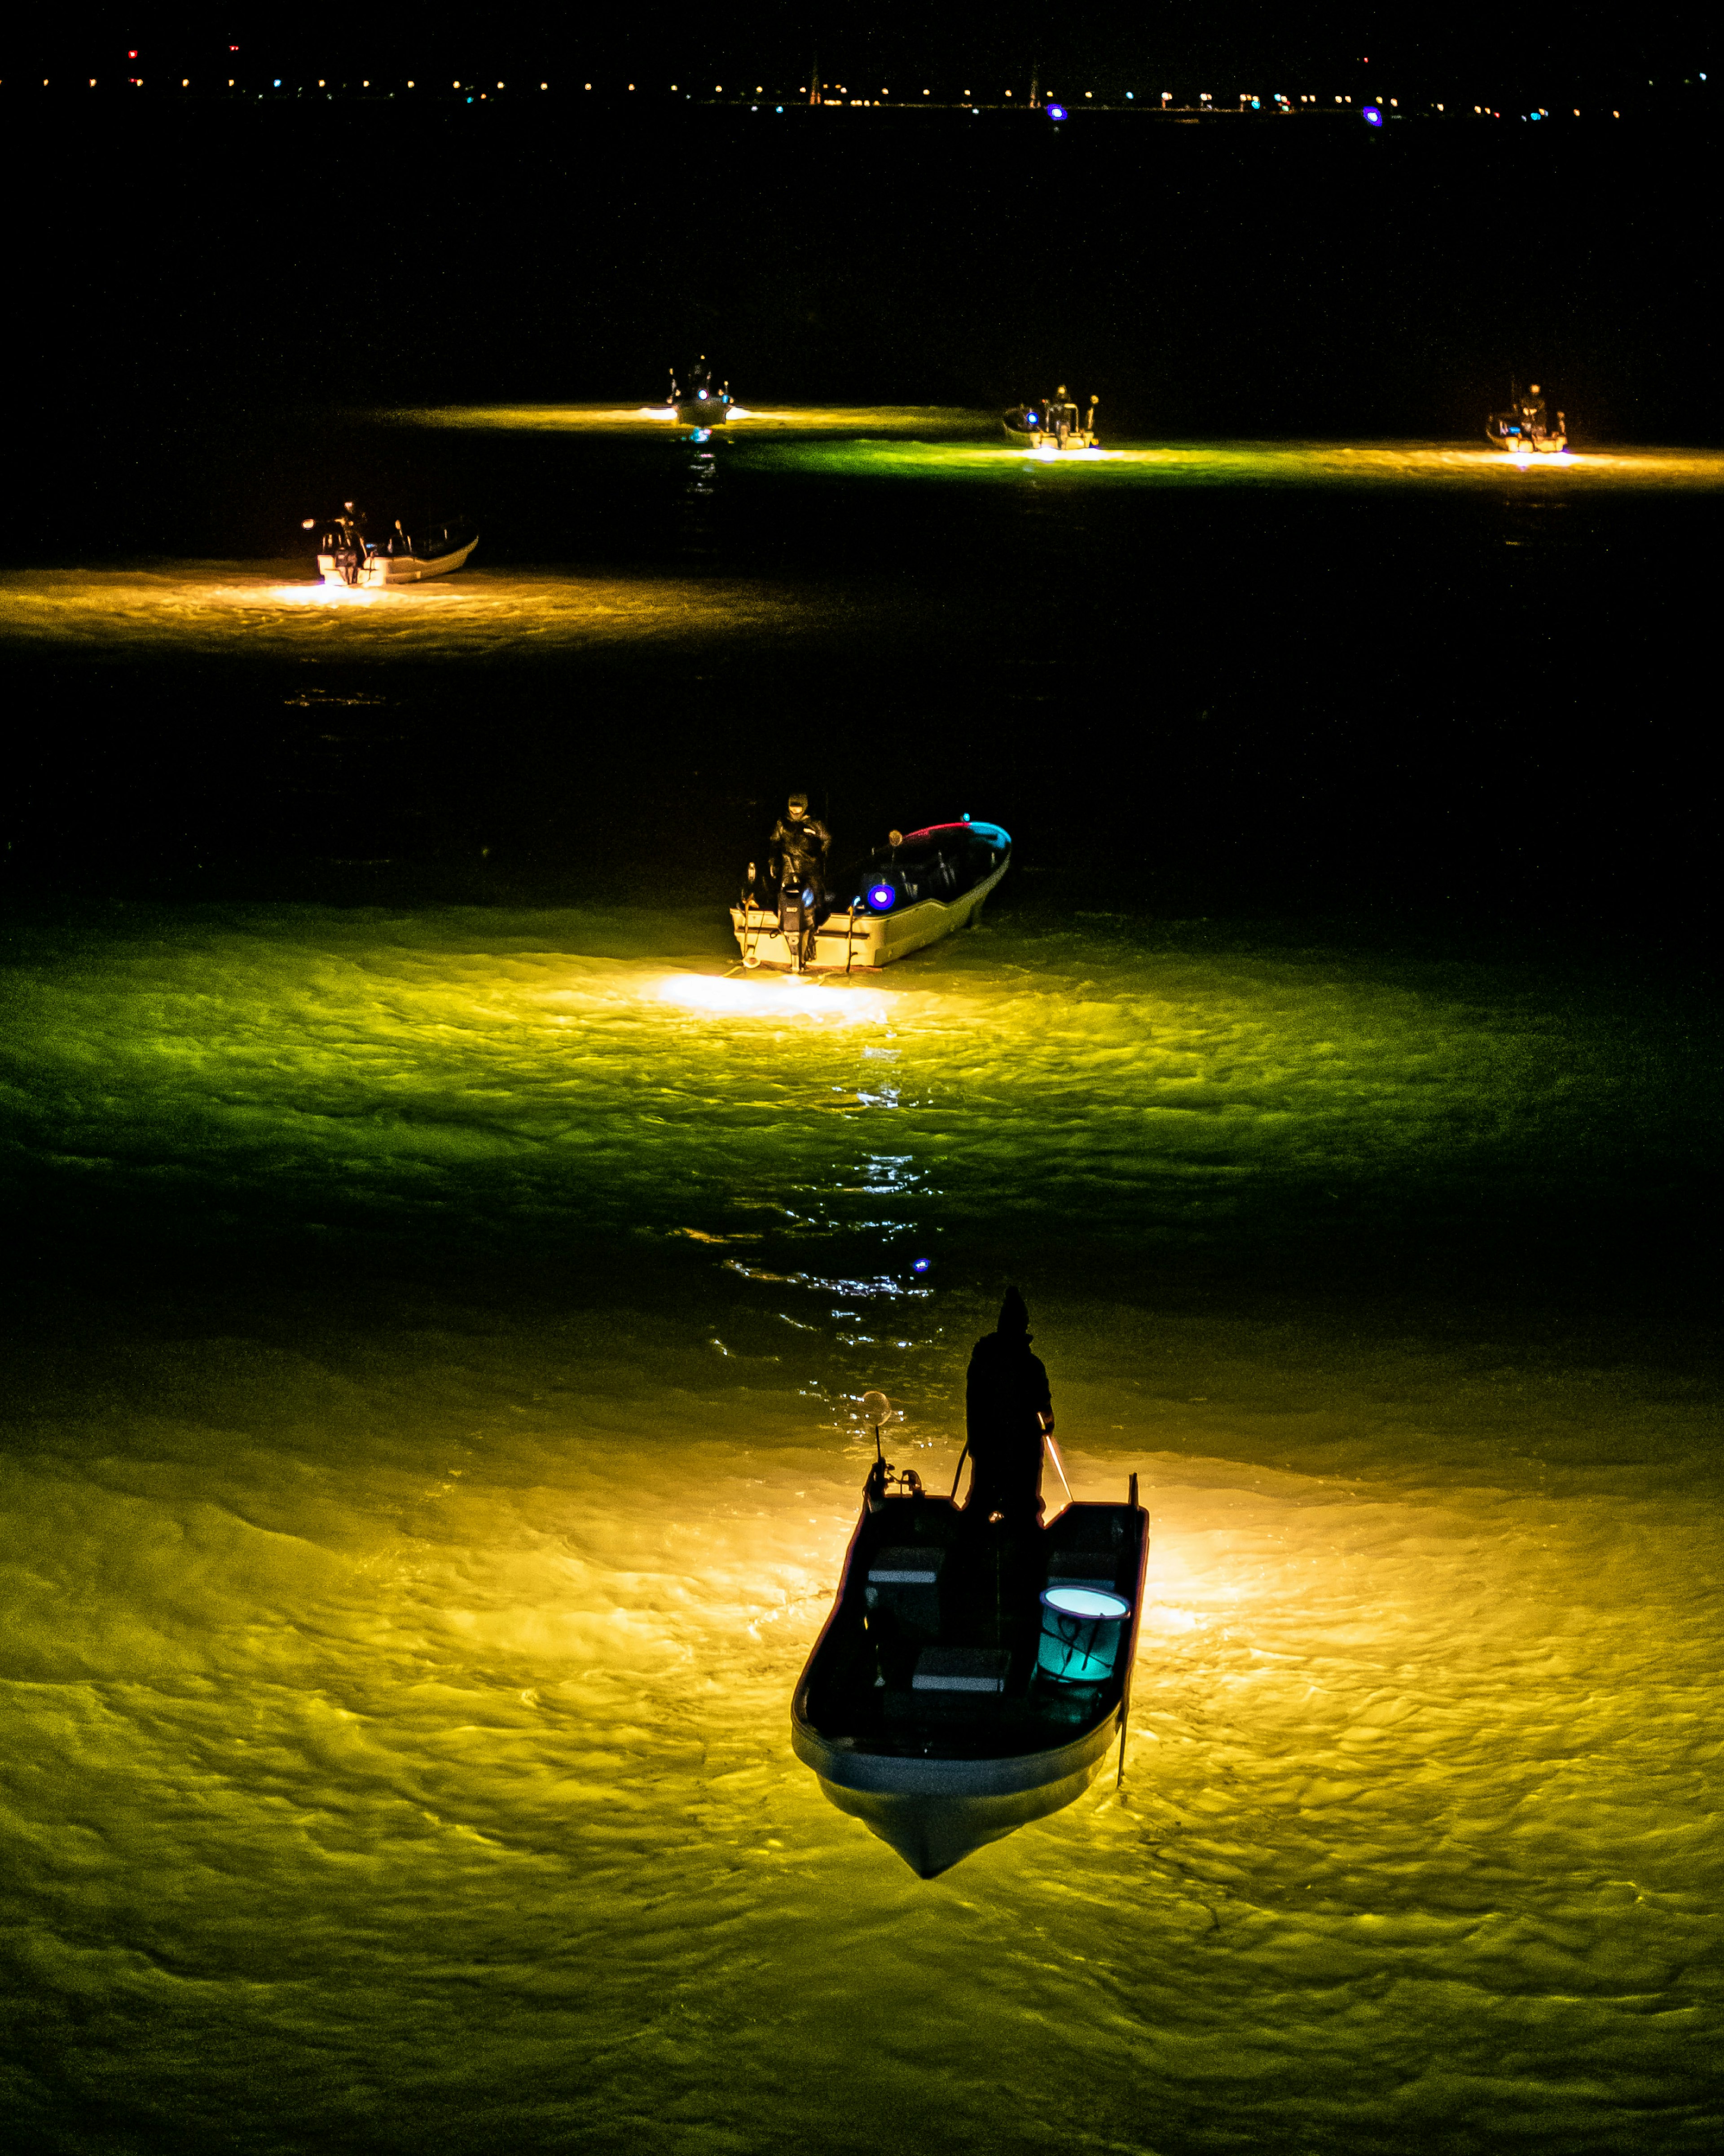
(443, 1291)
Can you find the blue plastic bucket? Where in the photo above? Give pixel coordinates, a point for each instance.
(1081, 1630)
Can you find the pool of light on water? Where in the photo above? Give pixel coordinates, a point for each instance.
(915, 419)
(398, 1669)
(279, 609)
(1396, 466)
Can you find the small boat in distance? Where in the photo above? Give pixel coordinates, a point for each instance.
(1525, 429)
(699, 402)
(347, 555)
(1055, 423)
(920, 886)
(970, 1678)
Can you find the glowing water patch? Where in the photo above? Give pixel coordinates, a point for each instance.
(781, 997)
(895, 419)
(1317, 465)
(279, 608)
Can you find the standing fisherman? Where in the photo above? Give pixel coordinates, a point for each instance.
(1007, 1409)
(797, 851)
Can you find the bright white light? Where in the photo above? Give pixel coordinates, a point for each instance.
(786, 996)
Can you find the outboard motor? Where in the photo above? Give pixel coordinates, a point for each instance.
(342, 549)
(796, 922)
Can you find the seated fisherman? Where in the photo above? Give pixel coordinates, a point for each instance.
(798, 849)
(1007, 1410)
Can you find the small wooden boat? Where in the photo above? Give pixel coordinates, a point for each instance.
(699, 402)
(1054, 424)
(951, 1698)
(1525, 428)
(919, 886)
(347, 555)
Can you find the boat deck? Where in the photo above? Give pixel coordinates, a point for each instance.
(932, 1649)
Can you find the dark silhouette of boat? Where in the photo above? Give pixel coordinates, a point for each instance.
(931, 1707)
(1055, 423)
(700, 401)
(1525, 428)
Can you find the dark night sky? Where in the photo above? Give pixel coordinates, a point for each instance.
(1541, 53)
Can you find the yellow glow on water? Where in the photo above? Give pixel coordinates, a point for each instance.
(283, 609)
(787, 996)
(368, 1635)
(605, 418)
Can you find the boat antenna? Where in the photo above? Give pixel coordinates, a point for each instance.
(877, 1410)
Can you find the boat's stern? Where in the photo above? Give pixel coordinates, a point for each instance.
(843, 942)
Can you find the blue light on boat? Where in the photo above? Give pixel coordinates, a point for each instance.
(922, 1264)
(1374, 118)
(1081, 1630)
(880, 897)
(1056, 112)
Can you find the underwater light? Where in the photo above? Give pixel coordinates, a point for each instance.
(922, 1264)
(788, 995)
(1056, 112)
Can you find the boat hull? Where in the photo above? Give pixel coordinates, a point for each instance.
(844, 942)
(936, 1778)
(379, 570)
(702, 411)
(934, 1826)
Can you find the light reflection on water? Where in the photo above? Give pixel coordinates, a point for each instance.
(393, 1673)
(279, 610)
(637, 419)
(1397, 465)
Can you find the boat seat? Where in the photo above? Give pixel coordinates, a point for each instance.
(976, 1672)
(904, 1583)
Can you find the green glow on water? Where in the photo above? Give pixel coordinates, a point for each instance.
(1321, 464)
(398, 1679)
(933, 441)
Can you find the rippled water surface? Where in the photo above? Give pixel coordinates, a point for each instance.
(413, 1535)
(440, 1305)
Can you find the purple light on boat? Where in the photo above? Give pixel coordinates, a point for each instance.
(1373, 116)
(880, 897)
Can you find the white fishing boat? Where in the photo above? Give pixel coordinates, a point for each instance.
(920, 886)
(1054, 425)
(347, 555)
(970, 1680)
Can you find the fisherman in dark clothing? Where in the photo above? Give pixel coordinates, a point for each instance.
(798, 846)
(1007, 1410)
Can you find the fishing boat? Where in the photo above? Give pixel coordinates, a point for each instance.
(1525, 428)
(920, 886)
(970, 1679)
(699, 402)
(347, 555)
(1053, 425)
